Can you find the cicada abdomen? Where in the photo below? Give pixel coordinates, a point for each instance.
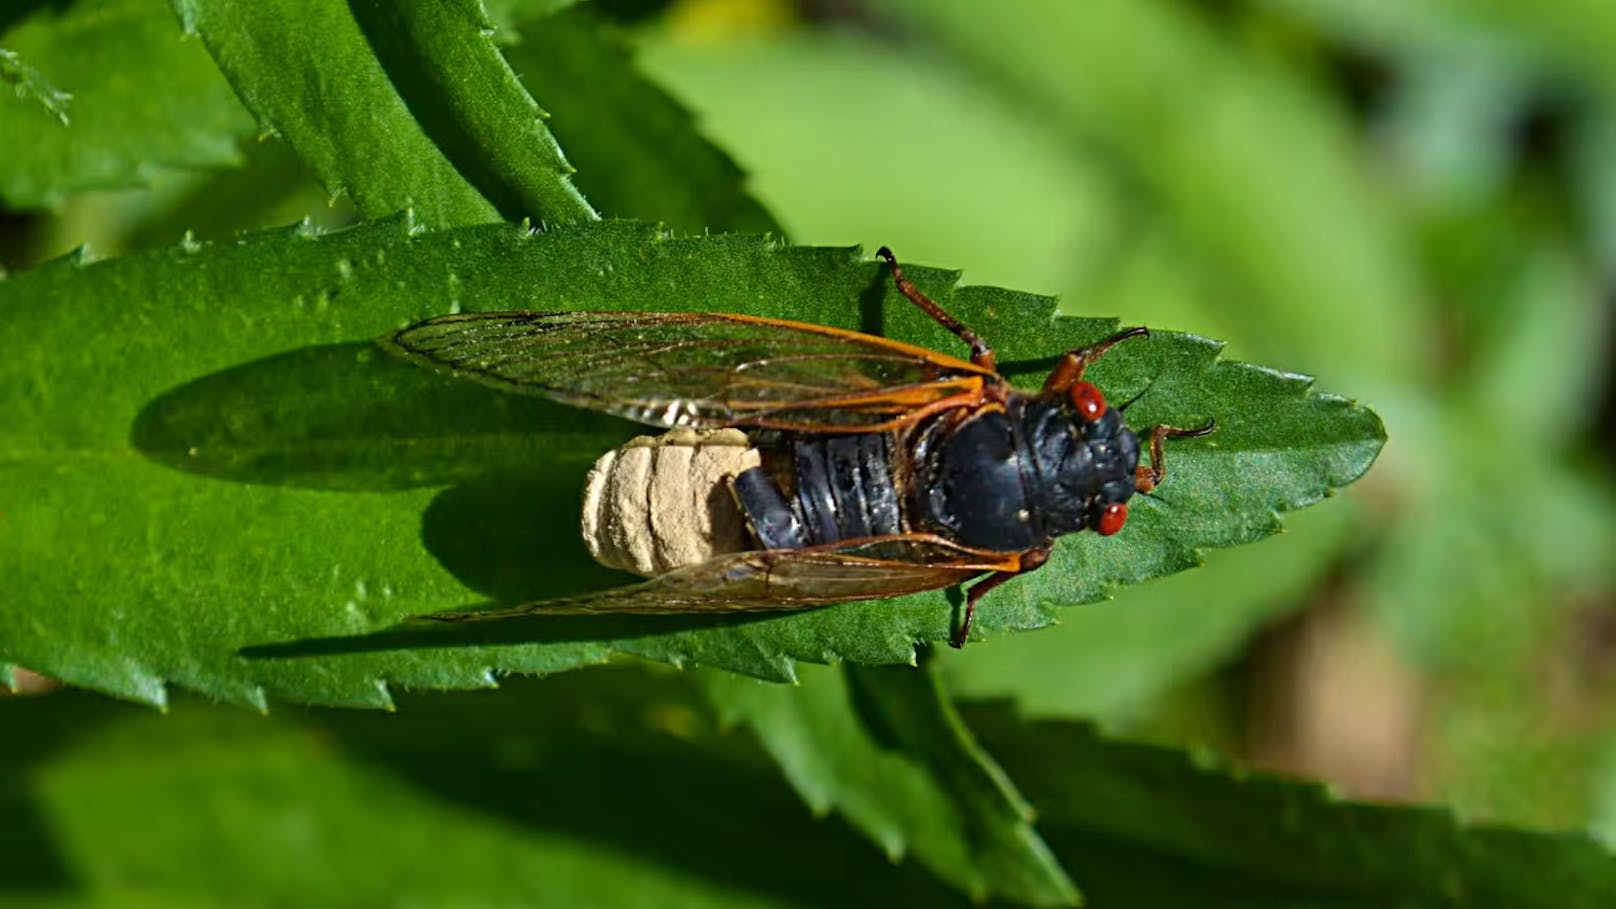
(663, 502)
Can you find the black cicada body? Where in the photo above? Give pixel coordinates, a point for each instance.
(808, 465)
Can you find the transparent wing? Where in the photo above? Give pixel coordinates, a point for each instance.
(696, 369)
(779, 579)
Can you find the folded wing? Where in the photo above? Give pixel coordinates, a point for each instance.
(699, 370)
(778, 579)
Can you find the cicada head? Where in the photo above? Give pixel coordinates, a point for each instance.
(1092, 463)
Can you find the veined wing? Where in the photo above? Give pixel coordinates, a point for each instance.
(697, 369)
(779, 579)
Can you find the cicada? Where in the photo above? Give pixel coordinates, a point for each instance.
(809, 465)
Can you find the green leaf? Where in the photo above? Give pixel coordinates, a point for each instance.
(885, 747)
(30, 85)
(270, 189)
(205, 452)
(401, 106)
(1142, 826)
(440, 56)
(641, 154)
(106, 93)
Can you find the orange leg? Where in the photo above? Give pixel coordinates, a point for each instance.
(1030, 560)
(981, 353)
(1148, 478)
(1067, 376)
(1070, 369)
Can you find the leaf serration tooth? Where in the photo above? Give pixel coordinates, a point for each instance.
(384, 695)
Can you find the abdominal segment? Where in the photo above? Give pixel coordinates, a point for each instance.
(842, 487)
(660, 503)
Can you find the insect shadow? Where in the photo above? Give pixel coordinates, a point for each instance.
(537, 629)
(348, 417)
(493, 534)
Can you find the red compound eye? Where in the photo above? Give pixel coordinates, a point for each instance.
(1112, 519)
(1088, 400)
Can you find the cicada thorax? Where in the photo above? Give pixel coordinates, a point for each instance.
(663, 502)
(1014, 478)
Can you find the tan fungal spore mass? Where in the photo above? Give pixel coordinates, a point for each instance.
(663, 502)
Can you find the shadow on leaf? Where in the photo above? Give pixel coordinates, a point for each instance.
(514, 538)
(350, 417)
(536, 629)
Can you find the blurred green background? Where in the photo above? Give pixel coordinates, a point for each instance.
(1413, 200)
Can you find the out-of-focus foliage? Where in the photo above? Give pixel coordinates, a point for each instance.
(1414, 199)
(1417, 195)
(399, 105)
(884, 747)
(557, 793)
(103, 94)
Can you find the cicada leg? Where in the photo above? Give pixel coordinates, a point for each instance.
(981, 353)
(1031, 560)
(1069, 371)
(1149, 477)
(1067, 376)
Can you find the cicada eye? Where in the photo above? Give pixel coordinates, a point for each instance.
(1088, 400)
(1111, 519)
